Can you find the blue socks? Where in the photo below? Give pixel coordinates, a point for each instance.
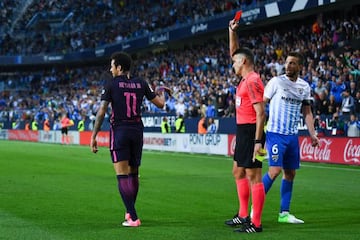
(267, 182)
(286, 193)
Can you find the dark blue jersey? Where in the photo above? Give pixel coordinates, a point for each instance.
(126, 96)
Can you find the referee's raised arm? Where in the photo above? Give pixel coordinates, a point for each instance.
(233, 37)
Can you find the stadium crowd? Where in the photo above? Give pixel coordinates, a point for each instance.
(76, 25)
(201, 75)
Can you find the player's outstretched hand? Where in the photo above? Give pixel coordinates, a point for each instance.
(233, 25)
(164, 89)
(315, 141)
(93, 145)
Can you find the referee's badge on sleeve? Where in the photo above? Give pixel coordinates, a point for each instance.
(238, 101)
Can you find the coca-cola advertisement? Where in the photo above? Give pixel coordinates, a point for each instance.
(331, 150)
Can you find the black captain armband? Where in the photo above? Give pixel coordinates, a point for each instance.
(306, 102)
(257, 141)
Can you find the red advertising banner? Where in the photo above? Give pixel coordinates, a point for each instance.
(102, 138)
(231, 144)
(331, 150)
(23, 135)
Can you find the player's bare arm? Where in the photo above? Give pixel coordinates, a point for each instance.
(159, 100)
(309, 121)
(233, 38)
(260, 120)
(98, 122)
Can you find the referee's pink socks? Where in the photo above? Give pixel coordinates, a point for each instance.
(258, 199)
(243, 190)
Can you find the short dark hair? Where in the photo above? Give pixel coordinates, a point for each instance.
(247, 52)
(297, 55)
(123, 59)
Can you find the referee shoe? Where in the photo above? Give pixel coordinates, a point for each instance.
(236, 221)
(249, 227)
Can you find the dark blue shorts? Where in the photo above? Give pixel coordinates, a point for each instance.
(126, 143)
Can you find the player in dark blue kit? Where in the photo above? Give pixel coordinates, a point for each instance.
(125, 94)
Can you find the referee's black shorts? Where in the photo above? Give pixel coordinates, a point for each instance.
(244, 149)
(64, 130)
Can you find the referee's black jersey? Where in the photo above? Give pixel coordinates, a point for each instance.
(126, 97)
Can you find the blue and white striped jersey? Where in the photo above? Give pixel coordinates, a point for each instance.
(286, 99)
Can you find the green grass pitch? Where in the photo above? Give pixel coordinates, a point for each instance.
(50, 191)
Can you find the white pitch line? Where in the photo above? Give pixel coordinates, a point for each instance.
(335, 168)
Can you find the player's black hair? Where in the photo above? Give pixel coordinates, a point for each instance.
(123, 59)
(246, 52)
(297, 55)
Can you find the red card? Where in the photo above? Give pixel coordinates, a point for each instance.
(238, 15)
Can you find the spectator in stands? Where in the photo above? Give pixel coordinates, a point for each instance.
(202, 107)
(333, 107)
(27, 125)
(220, 102)
(353, 126)
(202, 126)
(357, 103)
(320, 88)
(34, 124)
(46, 124)
(211, 126)
(81, 124)
(321, 104)
(180, 124)
(338, 88)
(230, 111)
(165, 126)
(193, 110)
(57, 124)
(347, 105)
(210, 109)
(15, 124)
(180, 107)
(320, 126)
(353, 89)
(337, 125)
(79, 31)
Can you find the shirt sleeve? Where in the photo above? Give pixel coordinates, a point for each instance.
(256, 89)
(270, 88)
(308, 93)
(106, 91)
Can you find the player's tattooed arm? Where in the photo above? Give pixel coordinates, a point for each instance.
(100, 117)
